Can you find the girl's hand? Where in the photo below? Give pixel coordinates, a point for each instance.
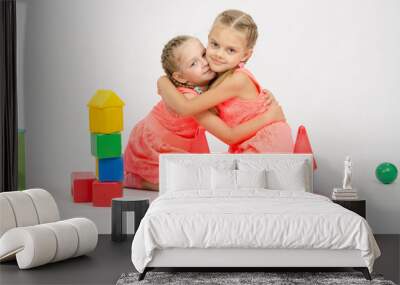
(274, 114)
(270, 98)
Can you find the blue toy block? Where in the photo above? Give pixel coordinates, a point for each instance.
(111, 169)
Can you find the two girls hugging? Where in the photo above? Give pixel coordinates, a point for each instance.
(207, 89)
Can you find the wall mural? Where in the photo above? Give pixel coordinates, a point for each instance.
(207, 89)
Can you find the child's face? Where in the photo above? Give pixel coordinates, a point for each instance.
(193, 66)
(226, 48)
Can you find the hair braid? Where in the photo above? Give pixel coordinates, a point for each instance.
(169, 59)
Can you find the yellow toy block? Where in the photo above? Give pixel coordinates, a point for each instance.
(105, 112)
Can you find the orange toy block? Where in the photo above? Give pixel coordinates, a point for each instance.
(103, 192)
(303, 145)
(81, 186)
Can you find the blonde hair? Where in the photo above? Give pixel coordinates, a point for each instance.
(241, 22)
(169, 59)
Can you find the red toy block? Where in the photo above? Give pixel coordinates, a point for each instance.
(303, 145)
(81, 186)
(103, 192)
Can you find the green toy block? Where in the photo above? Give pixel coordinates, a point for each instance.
(106, 145)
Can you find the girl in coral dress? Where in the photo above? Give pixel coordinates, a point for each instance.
(164, 131)
(236, 93)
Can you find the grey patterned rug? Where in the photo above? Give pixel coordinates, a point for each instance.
(243, 278)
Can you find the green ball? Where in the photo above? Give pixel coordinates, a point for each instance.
(386, 172)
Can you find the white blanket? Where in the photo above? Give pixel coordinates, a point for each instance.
(251, 218)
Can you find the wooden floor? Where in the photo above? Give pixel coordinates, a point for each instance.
(111, 259)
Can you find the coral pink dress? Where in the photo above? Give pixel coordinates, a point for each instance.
(161, 131)
(273, 138)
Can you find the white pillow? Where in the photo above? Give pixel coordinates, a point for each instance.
(188, 177)
(228, 179)
(293, 178)
(223, 179)
(281, 174)
(251, 178)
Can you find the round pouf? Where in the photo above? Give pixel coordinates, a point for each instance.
(386, 172)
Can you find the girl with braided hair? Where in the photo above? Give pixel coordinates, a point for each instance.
(164, 131)
(235, 93)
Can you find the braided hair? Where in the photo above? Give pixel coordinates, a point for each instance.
(169, 59)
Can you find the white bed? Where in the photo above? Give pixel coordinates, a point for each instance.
(215, 211)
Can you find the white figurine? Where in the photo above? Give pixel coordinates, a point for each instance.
(347, 174)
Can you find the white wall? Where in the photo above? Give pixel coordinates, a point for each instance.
(333, 65)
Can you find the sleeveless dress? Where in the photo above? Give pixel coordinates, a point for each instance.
(273, 138)
(161, 131)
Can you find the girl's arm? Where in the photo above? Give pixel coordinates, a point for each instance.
(216, 126)
(230, 87)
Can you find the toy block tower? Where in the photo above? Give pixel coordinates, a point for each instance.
(106, 124)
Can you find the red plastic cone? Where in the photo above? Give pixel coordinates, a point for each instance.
(302, 144)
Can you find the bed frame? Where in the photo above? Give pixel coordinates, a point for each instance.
(246, 259)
